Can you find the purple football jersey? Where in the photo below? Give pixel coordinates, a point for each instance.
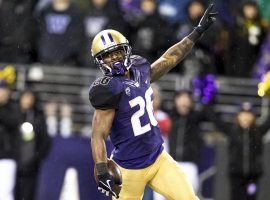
(134, 133)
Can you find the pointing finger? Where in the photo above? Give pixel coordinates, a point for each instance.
(208, 10)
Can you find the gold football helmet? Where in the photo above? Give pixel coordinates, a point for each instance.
(108, 41)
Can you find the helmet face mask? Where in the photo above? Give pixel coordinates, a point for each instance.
(115, 67)
(107, 42)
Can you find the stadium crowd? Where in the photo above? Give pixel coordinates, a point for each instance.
(59, 33)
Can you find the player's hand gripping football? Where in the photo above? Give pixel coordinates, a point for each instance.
(106, 185)
(108, 178)
(207, 20)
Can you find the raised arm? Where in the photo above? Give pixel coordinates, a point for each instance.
(177, 52)
(170, 58)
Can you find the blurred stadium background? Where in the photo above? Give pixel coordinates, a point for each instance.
(45, 52)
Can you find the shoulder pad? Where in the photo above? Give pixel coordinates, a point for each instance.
(105, 93)
(138, 60)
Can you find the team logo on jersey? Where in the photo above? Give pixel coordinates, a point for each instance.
(127, 90)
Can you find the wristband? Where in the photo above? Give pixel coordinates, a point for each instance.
(102, 168)
(194, 35)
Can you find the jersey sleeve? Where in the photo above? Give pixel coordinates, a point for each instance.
(105, 96)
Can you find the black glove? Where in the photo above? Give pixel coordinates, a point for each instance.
(105, 181)
(206, 21)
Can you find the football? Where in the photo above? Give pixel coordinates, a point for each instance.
(114, 171)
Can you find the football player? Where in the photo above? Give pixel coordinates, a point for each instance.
(123, 100)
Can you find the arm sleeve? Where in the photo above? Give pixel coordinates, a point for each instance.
(101, 97)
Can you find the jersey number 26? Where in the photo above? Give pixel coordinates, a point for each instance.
(145, 104)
